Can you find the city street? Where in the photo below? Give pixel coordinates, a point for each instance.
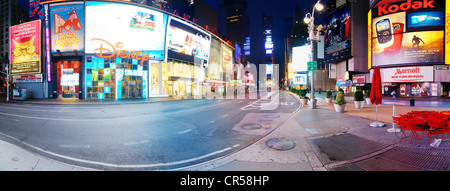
(152, 135)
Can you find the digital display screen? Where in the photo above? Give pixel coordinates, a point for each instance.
(426, 19)
(116, 27)
(383, 25)
(416, 37)
(184, 38)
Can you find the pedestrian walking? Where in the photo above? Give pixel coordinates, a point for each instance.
(393, 93)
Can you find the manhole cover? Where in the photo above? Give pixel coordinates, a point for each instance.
(281, 144)
(272, 116)
(251, 126)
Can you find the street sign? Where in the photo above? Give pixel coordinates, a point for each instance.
(312, 66)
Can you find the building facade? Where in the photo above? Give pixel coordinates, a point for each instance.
(408, 40)
(121, 50)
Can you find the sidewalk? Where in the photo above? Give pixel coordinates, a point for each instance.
(319, 139)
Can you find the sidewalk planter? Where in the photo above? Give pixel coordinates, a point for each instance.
(368, 102)
(339, 103)
(304, 101)
(367, 98)
(359, 99)
(359, 104)
(328, 97)
(339, 108)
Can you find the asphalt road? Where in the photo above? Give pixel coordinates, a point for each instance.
(144, 136)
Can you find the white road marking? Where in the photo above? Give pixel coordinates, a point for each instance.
(136, 143)
(75, 146)
(126, 166)
(185, 131)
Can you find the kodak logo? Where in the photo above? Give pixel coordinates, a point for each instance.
(392, 8)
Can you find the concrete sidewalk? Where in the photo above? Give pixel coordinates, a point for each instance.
(322, 140)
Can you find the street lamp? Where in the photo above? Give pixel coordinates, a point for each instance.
(314, 38)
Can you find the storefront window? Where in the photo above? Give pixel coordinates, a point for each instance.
(68, 79)
(115, 78)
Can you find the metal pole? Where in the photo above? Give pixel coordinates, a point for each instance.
(7, 82)
(393, 129)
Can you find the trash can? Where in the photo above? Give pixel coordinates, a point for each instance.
(412, 101)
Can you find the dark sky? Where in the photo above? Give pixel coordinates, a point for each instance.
(279, 9)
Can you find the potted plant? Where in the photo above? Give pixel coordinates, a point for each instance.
(339, 103)
(367, 97)
(302, 95)
(328, 97)
(358, 99)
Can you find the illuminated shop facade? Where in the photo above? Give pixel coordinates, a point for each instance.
(125, 50)
(409, 41)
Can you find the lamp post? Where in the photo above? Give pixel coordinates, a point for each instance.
(314, 38)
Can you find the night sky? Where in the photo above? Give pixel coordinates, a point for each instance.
(279, 9)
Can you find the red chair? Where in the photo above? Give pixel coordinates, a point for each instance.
(419, 130)
(405, 127)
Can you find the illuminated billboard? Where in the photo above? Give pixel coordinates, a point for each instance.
(408, 32)
(67, 31)
(300, 79)
(187, 39)
(338, 34)
(121, 30)
(25, 48)
(301, 55)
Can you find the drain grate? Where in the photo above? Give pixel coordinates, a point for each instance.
(251, 126)
(281, 144)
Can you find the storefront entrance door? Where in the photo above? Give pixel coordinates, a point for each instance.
(68, 79)
(132, 87)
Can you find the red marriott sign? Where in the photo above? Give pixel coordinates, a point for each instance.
(409, 4)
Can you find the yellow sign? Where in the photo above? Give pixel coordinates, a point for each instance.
(369, 35)
(447, 33)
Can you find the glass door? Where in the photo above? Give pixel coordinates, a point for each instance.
(68, 79)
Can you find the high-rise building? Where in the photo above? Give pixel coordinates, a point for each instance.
(236, 20)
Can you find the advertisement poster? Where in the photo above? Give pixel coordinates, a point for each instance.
(404, 36)
(447, 34)
(36, 11)
(184, 38)
(67, 28)
(301, 55)
(300, 79)
(215, 69)
(115, 30)
(337, 34)
(227, 59)
(25, 48)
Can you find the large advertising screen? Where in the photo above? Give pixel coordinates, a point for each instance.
(67, 28)
(25, 48)
(405, 33)
(121, 30)
(215, 68)
(338, 34)
(187, 39)
(301, 55)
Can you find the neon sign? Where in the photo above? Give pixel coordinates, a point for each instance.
(116, 51)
